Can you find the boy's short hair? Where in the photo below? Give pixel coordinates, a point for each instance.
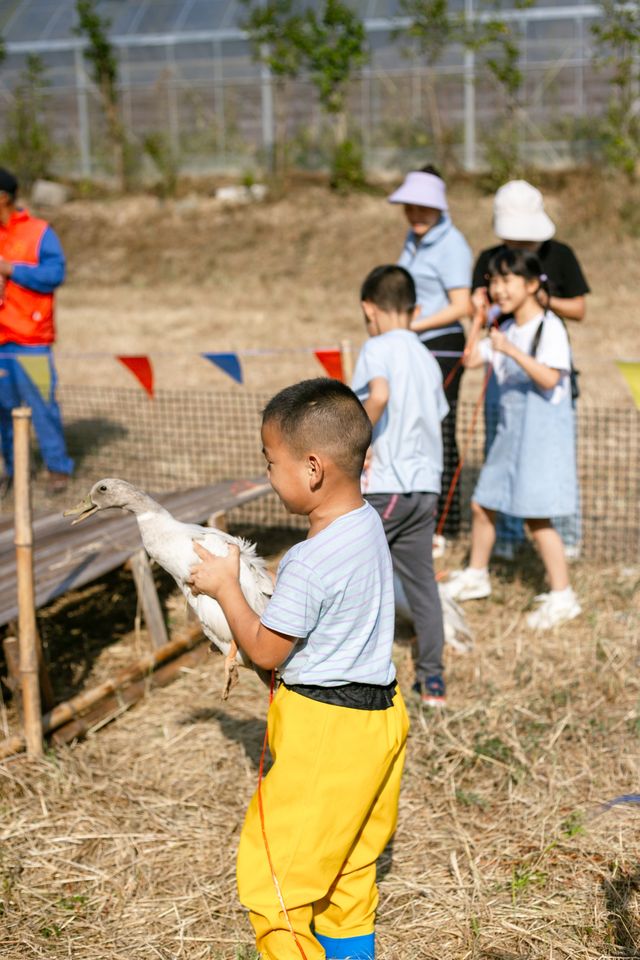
(325, 414)
(390, 288)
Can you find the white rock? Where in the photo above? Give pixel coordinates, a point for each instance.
(47, 193)
(241, 194)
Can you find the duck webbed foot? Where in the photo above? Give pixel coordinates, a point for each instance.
(230, 671)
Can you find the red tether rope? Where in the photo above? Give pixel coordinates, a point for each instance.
(276, 884)
(474, 418)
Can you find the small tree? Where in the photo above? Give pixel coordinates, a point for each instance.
(102, 56)
(277, 40)
(335, 46)
(499, 42)
(496, 42)
(27, 147)
(433, 27)
(617, 38)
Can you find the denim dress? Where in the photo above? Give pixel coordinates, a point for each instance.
(530, 470)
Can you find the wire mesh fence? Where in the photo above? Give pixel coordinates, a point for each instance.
(184, 438)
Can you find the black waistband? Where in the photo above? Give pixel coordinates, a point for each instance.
(357, 696)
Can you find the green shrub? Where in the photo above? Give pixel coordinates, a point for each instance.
(159, 149)
(347, 167)
(27, 148)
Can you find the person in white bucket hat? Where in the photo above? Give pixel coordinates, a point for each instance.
(520, 221)
(519, 214)
(439, 260)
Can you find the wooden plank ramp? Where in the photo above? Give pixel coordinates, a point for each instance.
(66, 557)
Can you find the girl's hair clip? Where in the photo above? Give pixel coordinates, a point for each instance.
(543, 277)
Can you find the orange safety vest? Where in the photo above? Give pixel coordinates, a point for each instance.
(25, 316)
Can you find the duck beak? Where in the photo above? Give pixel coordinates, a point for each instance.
(82, 510)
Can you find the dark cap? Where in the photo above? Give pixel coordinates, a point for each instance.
(8, 183)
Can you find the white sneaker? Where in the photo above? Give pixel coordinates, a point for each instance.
(541, 598)
(468, 584)
(555, 608)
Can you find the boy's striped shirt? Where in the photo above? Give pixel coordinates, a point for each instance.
(335, 593)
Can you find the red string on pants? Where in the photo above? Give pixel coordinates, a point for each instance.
(276, 884)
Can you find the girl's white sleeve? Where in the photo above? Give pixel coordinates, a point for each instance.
(554, 350)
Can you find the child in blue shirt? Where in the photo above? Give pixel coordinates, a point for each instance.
(337, 725)
(400, 386)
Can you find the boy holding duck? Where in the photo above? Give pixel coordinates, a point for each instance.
(337, 724)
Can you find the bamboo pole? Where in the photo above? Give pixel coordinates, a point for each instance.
(23, 539)
(111, 707)
(71, 709)
(346, 356)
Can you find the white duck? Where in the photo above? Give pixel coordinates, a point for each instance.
(169, 543)
(457, 632)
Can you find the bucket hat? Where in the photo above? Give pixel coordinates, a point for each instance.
(519, 214)
(423, 189)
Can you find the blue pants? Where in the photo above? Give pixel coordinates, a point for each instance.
(17, 389)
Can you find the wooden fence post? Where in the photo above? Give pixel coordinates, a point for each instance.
(149, 599)
(23, 540)
(346, 356)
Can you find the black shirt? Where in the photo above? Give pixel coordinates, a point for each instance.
(558, 260)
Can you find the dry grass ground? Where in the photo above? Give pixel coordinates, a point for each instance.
(177, 278)
(122, 847)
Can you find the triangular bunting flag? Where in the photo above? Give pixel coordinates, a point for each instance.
(39, 372)
(631, 373)
(331, 361)
(228, 363)
(142, 370)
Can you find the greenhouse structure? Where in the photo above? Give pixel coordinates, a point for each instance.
(186, 73)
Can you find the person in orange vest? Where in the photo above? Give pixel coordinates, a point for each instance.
(32, 266)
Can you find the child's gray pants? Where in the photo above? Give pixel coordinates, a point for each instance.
(409, 523)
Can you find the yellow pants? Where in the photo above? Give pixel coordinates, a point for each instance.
(330, 806)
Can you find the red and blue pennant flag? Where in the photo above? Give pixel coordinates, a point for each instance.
(142, 370)
(331, 361)
(227, 362)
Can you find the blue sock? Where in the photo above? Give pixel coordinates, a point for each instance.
(348, 948)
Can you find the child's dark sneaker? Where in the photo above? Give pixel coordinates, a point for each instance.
(432, 691)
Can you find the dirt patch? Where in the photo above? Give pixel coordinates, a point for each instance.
(176, 278)
(122, 847)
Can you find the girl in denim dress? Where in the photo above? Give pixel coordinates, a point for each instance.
(530, 470)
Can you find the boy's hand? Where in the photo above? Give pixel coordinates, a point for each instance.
(213, 574)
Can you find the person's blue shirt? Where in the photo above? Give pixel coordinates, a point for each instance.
(406, 447)
(438, 262)
(48, 273)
